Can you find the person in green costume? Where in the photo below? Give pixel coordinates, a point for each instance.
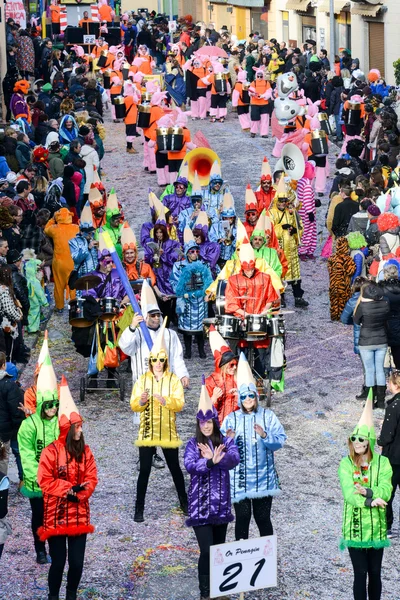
(36, 432)
(259, 241)
(114, 222)
(366, 482)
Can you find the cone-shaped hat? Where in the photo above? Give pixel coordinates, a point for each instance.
(102, 249)
(220, 348)
(158, 206)
(159, 346)
(184, 170)
(196, 187)
(365, 427)
(128, 238)
(148, 300)
(266, 169)
(96, 178)
(201, 221)
(44, 351)
(95, 195)
(241, 233)
(46, 387)
(86, 217)
(206, 410)
(228, 202)
(246, 255)
(112, 201)
(188, 236)
(259, 229)
(245, 379)
(68, 414)
(216, 169)
(281, 191)
(250, 199)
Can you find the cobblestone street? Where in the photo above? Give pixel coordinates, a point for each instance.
(157, 560)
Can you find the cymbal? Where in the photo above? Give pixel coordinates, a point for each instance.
(87, 282)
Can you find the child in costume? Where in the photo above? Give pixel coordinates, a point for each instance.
(258, 434)
(36, 432)
(221, 384)
(67, 475)
(158, 396)
(209, 456)
(365, 479)
(37, 297)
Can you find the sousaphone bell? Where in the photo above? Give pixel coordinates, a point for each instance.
(292, 161)
(201, 160)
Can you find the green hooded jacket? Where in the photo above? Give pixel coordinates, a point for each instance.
(364, 526)
(270, 255)
(115, 232)
(35, 434)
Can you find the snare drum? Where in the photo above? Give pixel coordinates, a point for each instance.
(220, 297)
(256, 325)
(76, 316)
(276, 326)
(110, 308)
(228, 326)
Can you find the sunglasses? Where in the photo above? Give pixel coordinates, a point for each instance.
(251, 396)
(194, 251)
(107, 262)
(161, 360)
(357, 439)
(251, 213)
(50, 405)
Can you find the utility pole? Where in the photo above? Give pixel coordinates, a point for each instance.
(332, 45)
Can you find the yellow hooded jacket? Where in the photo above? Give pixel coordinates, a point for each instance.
(157, 422)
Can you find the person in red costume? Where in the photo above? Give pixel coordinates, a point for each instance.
(250, 211)
(67, 476)
(265, 195)
(221, 384)
(251, 292)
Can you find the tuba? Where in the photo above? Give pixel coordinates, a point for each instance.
(201, 160)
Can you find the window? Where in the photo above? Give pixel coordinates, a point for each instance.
(285, 26)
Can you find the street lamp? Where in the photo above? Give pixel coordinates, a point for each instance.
(332, 45)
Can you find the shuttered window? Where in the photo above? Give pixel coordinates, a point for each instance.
(377, 47)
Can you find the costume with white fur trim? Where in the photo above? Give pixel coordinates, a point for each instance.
(260, 95)
(59, 471)
(255, 476)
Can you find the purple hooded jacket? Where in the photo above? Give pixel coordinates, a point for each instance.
(209, 496)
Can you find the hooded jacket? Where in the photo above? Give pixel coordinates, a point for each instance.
(91, 158)
(372, 316)
(391, 292)
(256, 475)
(227, 403)
(209, 496)
(157, 422)
(85, 258)
(364, 526)
(58, 473)
(34, 435)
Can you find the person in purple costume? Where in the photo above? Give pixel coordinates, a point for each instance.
(179, 200)
(209, 456)
(111, 285)
(209, 251)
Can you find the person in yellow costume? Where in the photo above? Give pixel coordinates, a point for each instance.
(158, 395)
(233, 266)
(61, 229)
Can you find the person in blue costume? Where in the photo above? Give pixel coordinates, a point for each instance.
(258, 434)
(189, 279)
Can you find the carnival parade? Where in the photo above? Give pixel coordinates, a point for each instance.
(200, 313)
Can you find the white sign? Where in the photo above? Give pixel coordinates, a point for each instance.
(15, 9)
(172, 26)
(243, 566)
(89, 39)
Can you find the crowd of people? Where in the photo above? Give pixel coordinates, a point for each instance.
(64, 237)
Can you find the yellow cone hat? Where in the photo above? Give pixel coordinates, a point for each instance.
(95, 195)
(86, 220)
(250, 199)
(241, 233)
(266, 168)
(246, 255)
(112, 201)
(216, 169)
(188, 236)
(227, 202)
(128, 238)
(202, 220)
(159, 346)
(281, 191)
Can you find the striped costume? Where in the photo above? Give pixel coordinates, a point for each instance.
(307, 212)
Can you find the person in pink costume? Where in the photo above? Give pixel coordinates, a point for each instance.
(307, 212)
(198, 99)
(218, 109)
(294, 131)
(353, 132)
(175, 159)
(241, 100)
(321, 162)
(161, 157)
(260, 96)
(157, 112)
(149, 161)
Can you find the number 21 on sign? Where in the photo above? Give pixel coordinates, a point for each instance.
(243, 566)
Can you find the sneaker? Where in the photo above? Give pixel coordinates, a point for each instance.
(158, 462)
(389, 534)
(300, 303)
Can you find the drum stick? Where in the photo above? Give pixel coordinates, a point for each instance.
(125, 282)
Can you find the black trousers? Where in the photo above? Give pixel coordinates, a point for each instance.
(367, 562)
(37, 508)
(262, 516)
(395, 350)
(395, 484)
(171, 456)
(207, 535)
(58, 553)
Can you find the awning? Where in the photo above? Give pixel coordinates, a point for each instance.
(339, 5)
(297, 5)
(365, 10)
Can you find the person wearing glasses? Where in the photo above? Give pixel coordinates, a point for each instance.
(35, 433)
(189, 279)
(366, 481)
(258, 434)
(158, 395)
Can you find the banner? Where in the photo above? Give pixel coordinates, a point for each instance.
(14, 9)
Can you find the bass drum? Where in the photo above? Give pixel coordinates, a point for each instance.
(220, 297)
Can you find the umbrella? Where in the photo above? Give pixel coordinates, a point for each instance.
(211, 51)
